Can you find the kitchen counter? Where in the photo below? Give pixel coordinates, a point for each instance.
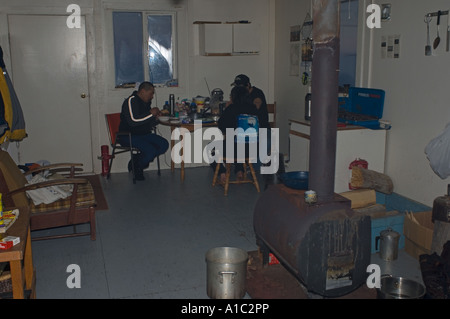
(340, 126)
(352, 142)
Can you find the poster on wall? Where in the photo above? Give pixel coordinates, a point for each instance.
(295, 33)
(295, 59)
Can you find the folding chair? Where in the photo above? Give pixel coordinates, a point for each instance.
(112, 123)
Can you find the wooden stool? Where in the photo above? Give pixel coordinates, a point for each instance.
(248, 163)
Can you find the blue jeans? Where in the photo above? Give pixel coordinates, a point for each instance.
(151, 145)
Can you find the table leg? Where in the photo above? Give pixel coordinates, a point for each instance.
(17, 279)
(28, 263)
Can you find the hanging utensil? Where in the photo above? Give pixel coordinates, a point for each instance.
(438, 39)
(448, 31)
(428, 46)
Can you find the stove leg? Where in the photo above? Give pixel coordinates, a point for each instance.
(264, 252)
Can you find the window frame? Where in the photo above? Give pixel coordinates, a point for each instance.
(145, 15)
(145, 51)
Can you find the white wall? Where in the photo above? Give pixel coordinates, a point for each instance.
(289, 90)
(417, 96)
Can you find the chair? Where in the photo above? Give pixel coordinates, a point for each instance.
(272, 110)
(247, 160)
(78, 208)
(112, 123)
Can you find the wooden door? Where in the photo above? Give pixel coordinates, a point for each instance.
(49, 72)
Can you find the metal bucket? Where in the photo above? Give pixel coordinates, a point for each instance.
(400, 288)
(226, 272)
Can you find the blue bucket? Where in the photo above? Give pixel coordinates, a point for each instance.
(295, 180)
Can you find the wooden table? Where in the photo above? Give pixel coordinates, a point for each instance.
(20, 257)
(188, 126)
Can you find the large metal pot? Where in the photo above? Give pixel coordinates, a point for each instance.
(400, 288)
(226, 273)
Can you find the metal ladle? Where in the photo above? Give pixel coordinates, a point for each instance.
(438, 39)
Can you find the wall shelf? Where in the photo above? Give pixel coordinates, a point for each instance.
(230, 38)
(435, 14)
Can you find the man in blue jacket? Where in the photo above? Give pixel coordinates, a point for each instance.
(139, 118)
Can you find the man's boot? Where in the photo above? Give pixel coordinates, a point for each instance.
(138, 170)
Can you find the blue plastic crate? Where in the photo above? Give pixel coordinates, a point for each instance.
(363, 101)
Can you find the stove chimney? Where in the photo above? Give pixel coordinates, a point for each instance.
(324, 108)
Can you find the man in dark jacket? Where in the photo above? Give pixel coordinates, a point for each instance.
(240, 105)
(256, 97)
(139, 118)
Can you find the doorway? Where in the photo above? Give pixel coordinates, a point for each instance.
(49, 71)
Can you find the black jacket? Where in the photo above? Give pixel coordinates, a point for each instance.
(136, 117)
(230, 115)
(263, 114)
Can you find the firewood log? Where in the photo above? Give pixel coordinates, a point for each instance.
(366, 178)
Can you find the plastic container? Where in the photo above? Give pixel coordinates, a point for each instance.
(295, 180)
(366, 102)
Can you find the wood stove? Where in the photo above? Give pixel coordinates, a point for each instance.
(325, 245)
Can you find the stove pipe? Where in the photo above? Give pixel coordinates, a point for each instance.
(324, 108)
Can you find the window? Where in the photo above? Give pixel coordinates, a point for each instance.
(144, 48)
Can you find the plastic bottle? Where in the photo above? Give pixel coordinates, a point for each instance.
(193, 107)
(172, 104)
(308, 107)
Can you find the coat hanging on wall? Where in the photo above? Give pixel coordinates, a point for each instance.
(12, 110)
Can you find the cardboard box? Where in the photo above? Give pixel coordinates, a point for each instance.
(418, 230)
(9, 241)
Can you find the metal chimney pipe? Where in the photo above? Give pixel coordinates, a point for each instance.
(324, 90)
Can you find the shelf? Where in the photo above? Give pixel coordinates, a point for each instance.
(207, 22)
(231, 38)
(435, 14)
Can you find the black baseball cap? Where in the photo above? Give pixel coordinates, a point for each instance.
(241, 80)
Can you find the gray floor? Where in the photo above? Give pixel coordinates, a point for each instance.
(152, 241)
